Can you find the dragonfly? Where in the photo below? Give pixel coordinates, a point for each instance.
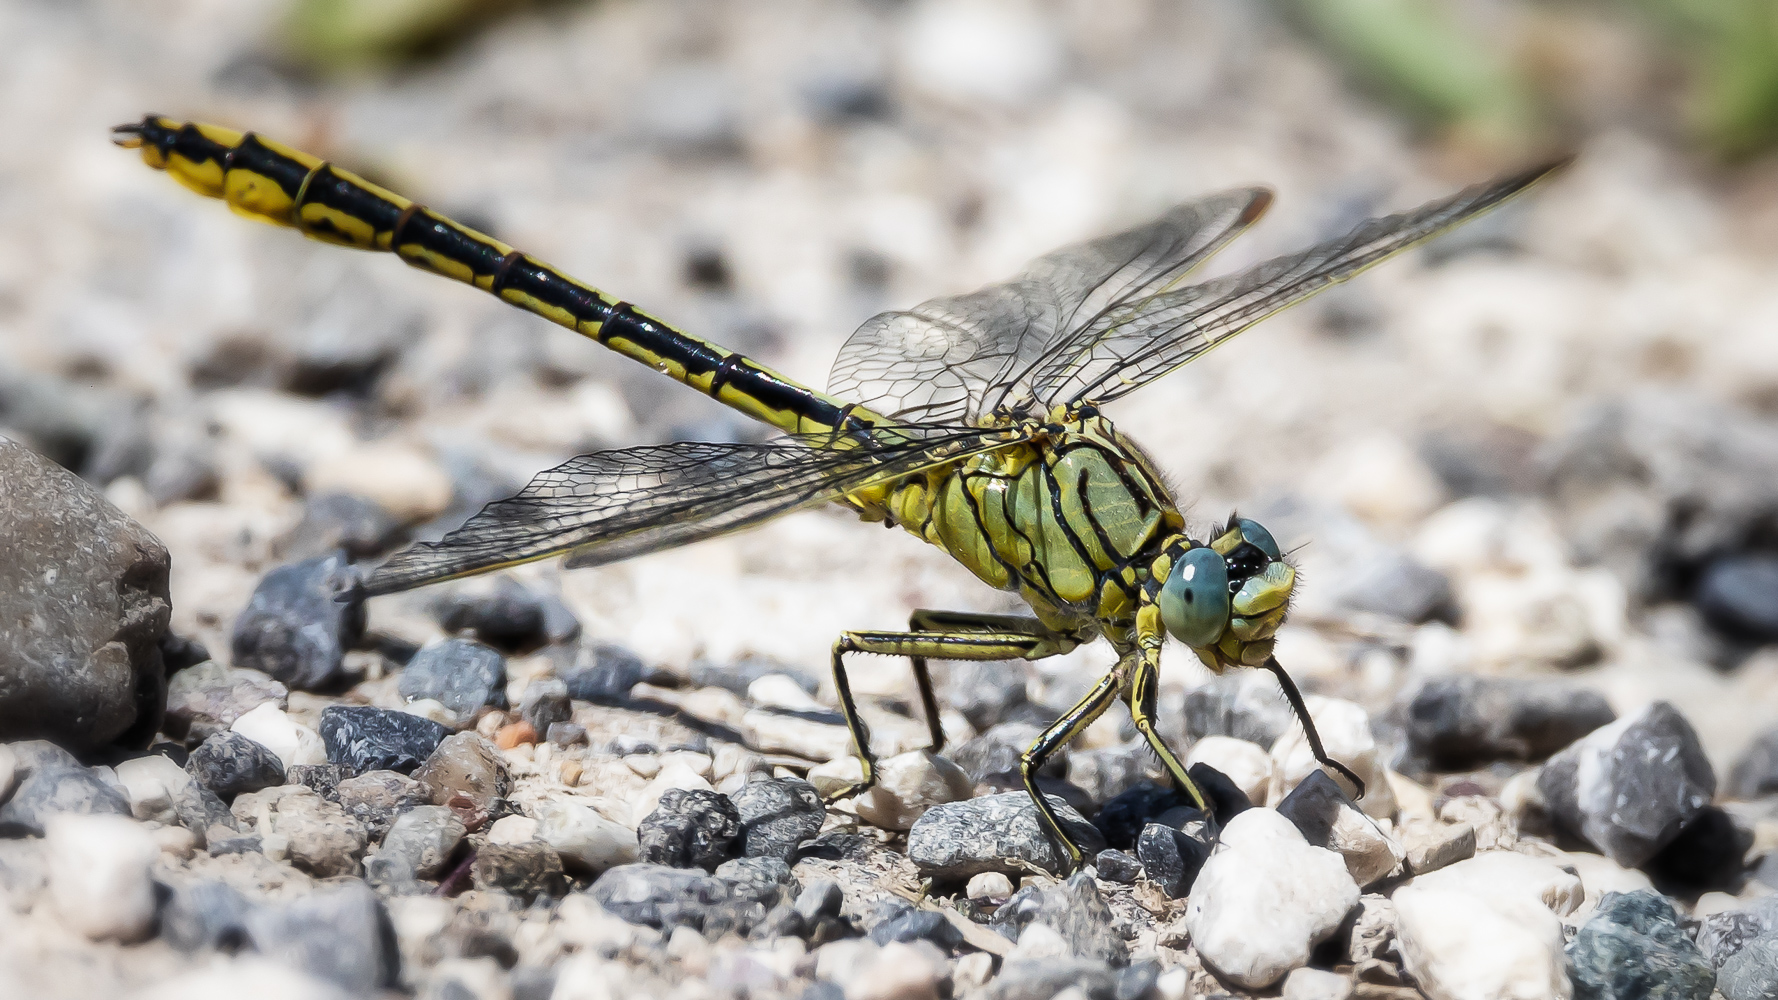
(973, 421)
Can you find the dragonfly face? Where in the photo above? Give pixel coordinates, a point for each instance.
(930, 421)
(1226, 599)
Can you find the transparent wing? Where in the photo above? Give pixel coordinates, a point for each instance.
(1132, 344)
(612, 505)
(953, 359)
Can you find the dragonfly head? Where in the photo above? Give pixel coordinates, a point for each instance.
(1227, 598)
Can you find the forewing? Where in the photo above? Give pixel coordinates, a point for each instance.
(611, 505)
(1130, 345)
(952, 359)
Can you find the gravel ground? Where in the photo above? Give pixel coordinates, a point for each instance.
(1529, 476)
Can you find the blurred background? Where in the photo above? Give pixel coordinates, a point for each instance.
(1542, 443)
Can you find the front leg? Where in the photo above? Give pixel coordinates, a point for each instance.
(966, 637)
(1144, 695)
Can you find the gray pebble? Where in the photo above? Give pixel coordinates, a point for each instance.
(659, 896)
(1633, 946)
(1755, 772)
(507, 615)
(1171, 859)
(820, 898)
(330, 521)
(995, 833)
(777, 816)
(461, 674)
(294, 628)
(1465, 721)
(1075, 910)
(766, 881)
(918, 925)
(338, 934)
(204, 915)
(1752, 972)
(545, 703)
(604, 673)
(230, 764)
(526, 870)
(54, 789)
(690, 829)
(419, 845)
(361, 738)
(1114, 865)
(376, 798)
(1041, 979)
(1739, 595)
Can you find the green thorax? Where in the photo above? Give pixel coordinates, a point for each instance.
(1070, 519)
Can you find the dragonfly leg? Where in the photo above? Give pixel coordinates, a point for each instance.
(964, 621)
(1295, 698)
(1059, 733)
(1144, 696)
(1030, 642)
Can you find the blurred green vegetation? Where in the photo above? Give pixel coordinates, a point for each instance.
(330, 36)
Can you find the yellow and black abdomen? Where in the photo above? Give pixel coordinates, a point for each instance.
(273, 183)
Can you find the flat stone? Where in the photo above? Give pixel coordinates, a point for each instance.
(1265, 900)
(461, 674)
(659, 896)
(995, 833)
(294, 629)
(1751, 973)
(1464, 721)
(1629, 788)
(230, 764)
(1074, 910)
(362, 738)
(206, 699)
(690, 829)
(587, 842)
(83, 607)
(766, 881)
(1427, 847)
(341, 935)
(1634, 946)
(777, 816)
(57, 789)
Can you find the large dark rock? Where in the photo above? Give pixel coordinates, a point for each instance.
(1633, 946)
(83, 608)
(1464, 721)
(361, 738)
(1646, 778)
(777, 816)
(995, 833)
(690, 829)
(461, 674)
(300, 622)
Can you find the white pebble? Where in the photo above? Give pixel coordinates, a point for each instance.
(989, 885)
(782, 691)
(1509, 875)
(1246, 764)
(9, 771)
(673, 774)
(896, 971)
(152, 783)
(586, 840)
(513, 830)
(1458, 945)
(99, 875)
(1345, 729)
(176, 841)
(293, 742)
(1265, 899)
(431, 708)
(909, 784)
(246, 976)
(1316, 984)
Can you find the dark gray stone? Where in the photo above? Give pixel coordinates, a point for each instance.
(52, 790)
(659, 896)
(527, 870)
(995, 833)
(918, 925)
(604, 673)
(985, 693)
(1135, 982)
(341, 934)
(1114, 865)
(1465, 721)
(1633, 946)
(323, 778)
(376, 798)
(205, 915)
(83, 608)
(506, 615)
(820, 898)
(294, 629)
(1721, 935)
(992, 758)
(766, 881)
(1752, 972)
(1121, 820)
(781, 921)
(461, 674)
(1709, 854)
(777, 816)
(545, 703)
(230, 764)
(690, 829)
(1244, 704)
(1075, 910)
(1648, 778)
(1755, 773)
(1227, 800)
(1739, 595)
(361, 738)
(332, 521)
(1171, 859)
(207, 698)
(201, 811)
(419, 845)
(1386, 581)
(566, 734)
(1108, 772)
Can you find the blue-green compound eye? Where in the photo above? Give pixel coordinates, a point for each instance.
(1195, 598)
(1260, 537)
